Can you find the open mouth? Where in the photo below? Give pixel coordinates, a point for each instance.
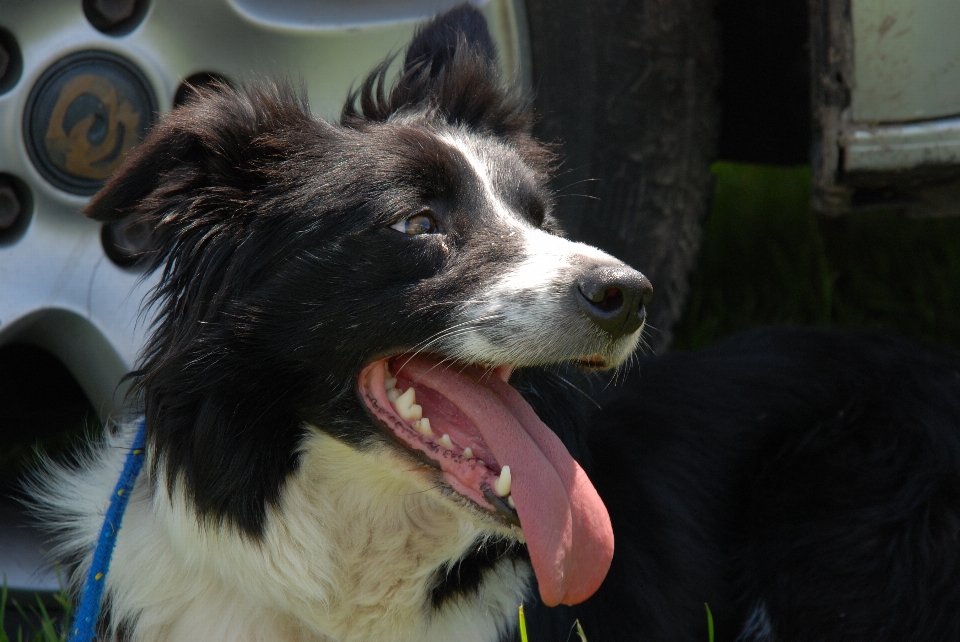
(492, 449)
(440, 434)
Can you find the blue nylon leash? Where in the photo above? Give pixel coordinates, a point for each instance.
(85, 621)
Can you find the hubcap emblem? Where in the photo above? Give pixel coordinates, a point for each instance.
(83, 115)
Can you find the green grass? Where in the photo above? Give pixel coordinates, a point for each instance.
(710, 631)
(17, 459)
(48, 627)
(579, 629)
(576, 628)
(768, 259)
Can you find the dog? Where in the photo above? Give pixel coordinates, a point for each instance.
(365, 420)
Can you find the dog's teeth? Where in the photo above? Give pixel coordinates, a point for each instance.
(468, 453)
(423, 427)
(408, 398)
(414, 412)
(445, 441)
(510, 502)
(390, 383)
(502, 484)
(480, 462)
(405, 401)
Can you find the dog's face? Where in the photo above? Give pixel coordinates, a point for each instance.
(375, 283)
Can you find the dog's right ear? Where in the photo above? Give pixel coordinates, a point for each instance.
(201, 154)
(144, 170)
(189, 182)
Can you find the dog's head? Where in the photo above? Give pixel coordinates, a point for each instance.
(376, 279)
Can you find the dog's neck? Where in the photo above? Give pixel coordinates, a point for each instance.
(355, 551)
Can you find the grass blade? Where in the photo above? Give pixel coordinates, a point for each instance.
(580, 633)
(523, 626)
(709, 622)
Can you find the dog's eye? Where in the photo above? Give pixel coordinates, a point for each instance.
(420, 223)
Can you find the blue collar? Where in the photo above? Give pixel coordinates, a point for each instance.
(85, 621)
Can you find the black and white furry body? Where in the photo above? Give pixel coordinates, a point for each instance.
(805, 485)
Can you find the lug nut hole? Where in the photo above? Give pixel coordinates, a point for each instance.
(188, 88)
(11, 61)
(125, 242)
(16, 207)
(115, 17)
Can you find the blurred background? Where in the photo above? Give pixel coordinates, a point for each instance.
(768, 258)
(762, 161)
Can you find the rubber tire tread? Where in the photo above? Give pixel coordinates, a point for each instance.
(629, 89)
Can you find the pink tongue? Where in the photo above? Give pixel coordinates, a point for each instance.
(564, 521)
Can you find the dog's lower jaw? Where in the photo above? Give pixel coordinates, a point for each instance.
(351, 554)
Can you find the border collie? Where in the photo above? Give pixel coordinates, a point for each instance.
(362, 427)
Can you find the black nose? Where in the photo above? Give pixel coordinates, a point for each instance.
(614, 298)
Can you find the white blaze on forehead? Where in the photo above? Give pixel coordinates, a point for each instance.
(543, 251)
(482, 172)
(534, 294)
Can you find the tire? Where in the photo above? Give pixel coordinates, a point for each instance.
(629, 88)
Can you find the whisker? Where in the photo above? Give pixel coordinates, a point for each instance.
(446, 359)
(577, 388)
(452, 303)
(455, 330)
(445, 331)
(592, 198)
(583, 180)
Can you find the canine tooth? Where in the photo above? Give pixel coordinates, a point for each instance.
(445, 441)
(502, 484)
(390, 383)
(393, 394)
(413, 412)
(423, 427)
(510, 502)
(480, 462)
(468, 453)
(404, 401)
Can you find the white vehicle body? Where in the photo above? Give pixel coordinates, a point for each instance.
(886, 100)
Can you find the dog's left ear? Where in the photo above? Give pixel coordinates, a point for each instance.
(436, 43)
(449, 73)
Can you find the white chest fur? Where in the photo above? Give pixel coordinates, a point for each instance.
(350, 554)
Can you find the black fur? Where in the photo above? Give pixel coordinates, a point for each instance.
(449, 71)
(464, 577)
(253, 203)
(814, 474)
